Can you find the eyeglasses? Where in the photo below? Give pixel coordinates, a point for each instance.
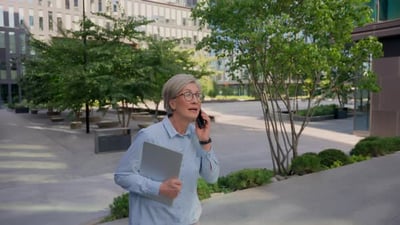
(189, 96)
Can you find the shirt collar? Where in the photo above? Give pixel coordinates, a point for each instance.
(172, 131)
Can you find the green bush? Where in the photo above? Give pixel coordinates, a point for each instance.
(336, 164)
(372, 147)
(392, 144)
(119, 208)
(306, 163)
(245, 178)
(358, 158)
(376, 146)
(330, 156)
(320, 110)
(242, 179)
(203, 189)
(369, 148)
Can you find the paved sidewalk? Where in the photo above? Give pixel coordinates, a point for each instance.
(49, 174)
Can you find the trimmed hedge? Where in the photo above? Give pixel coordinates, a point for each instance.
(239, 180)
(246, 178)
(306, 163)
(376, 146)
(330, 156)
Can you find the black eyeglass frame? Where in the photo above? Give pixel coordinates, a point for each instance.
(188, 95)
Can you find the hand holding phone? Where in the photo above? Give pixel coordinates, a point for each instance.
(201, 123)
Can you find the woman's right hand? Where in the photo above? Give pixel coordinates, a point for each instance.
(171, 187)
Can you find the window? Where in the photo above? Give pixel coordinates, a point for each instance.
(41, 23)
(11, 17)
(76, 3)
(115, 6)
(49, 3)
(31, 19)
(67, 4)
(100, 6)
(1, 17)
(2, 39)
(59, 23)
(12, 45)
(50, 20)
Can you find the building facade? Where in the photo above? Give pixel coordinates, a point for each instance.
(378, 114)
(42, 18)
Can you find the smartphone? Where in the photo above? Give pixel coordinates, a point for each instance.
(201, 123)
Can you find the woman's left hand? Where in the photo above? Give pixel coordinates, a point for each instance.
(203, 134)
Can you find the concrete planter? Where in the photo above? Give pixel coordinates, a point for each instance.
(21, 110)
(75, 125)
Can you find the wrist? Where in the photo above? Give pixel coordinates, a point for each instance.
(205, 142)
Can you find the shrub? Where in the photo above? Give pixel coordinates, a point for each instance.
(119, 208)
(329, 156)
(358, 158)
(392, 144)
(371, 147)
(242, 179)
(306, 163)
(336, 164)
(203, 189)
(245, 178)
(320, 110)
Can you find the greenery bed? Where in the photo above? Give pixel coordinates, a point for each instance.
(306, 163)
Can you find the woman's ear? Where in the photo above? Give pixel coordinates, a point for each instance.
(172, 104)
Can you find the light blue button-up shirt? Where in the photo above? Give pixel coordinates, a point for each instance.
(196, 162)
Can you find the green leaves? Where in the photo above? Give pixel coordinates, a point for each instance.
(282, 45)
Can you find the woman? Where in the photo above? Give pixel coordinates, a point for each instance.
(178, 132)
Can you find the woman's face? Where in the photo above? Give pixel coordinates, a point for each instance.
(187, 103)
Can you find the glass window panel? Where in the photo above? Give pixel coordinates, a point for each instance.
(11, 17)
(14, 75)
(1, 16)
(393, 9)
(31, 21)
(3, 74)
(67, 4)
(41, 23)
(50, 20)
(2, 39)
(21, 15)
(13, 46)
(22, 39)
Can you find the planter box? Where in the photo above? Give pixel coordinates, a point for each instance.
(285, 115)
(92, 119)
(56, 118)
(108, 124)
(53, 113)
(340, 113)
(112, 140)
(22, 110)
(75, 125)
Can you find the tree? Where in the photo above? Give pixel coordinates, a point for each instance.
(163, 58)
(104, 69)
(288, 47)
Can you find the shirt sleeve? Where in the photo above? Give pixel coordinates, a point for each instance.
(127, 173)
(209, 169)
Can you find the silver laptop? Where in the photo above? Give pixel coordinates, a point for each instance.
(159, 163)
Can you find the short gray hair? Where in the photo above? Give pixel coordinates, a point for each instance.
(174, 85)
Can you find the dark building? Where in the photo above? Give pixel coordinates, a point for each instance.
(378, 114)
(13, 48)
